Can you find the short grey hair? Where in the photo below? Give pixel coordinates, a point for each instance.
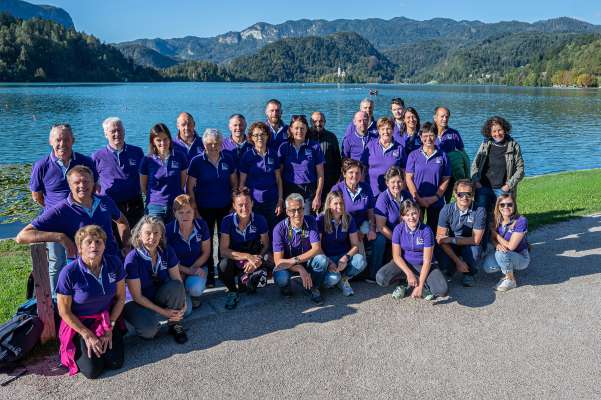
(212, 132)
(294, 197)
(62, 127)
(111, 121)
(367, 100)
(136, 242)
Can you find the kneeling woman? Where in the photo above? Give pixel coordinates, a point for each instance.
(508, 235)
(412, 250)
(155, 290)
(244, 244)
(90, 294)
(189, 238)
(340, 243)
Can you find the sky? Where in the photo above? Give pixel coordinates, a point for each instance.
(123, 20)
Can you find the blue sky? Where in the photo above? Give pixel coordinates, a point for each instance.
(121, 20)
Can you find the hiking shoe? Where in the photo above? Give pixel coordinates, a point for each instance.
(178, 333)
(231, 300)
(506, 285)
(315, 296)
(468, 280)
(286, 291)
(210, 282)
(399, 292)
(345, 286)
(499, 283)
(427, 294)
(196, 301)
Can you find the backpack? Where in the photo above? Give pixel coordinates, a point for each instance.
(17, 337)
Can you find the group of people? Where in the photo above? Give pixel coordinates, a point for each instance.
(283, 200)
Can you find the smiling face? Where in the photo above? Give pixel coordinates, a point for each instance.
(361, 121)
(385, 132)
(243, 206)
(441, 118)
(81, 186)
(336, 206)
(395, 185)
(61, 140)
(295, 210)
(237, 126)
(318, 121)
(185, 127)
(212, 145)
(259, 138)
(368, 108)
(162, 144)
(150, 236)
(185, 215)
(115, 134)
(428, 139)
(464, 196)
(410, 121)
(91, 249)
(273, 111)
(411, 217)
(299, 131)
(352, 176)
(397, 111)
(497, 132)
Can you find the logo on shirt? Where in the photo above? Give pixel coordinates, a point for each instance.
(395, 153)
(132, 162)
(103, 207)
(438, 160)
(112, 277)
(308, 152)
(269, 161)
(252, 229)
(163, 265)
(470, 218)
(419, 240)
(175, 164)
(225, 167)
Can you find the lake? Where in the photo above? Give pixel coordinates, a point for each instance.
(558, 129)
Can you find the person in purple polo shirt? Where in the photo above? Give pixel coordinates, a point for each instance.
(162, 173)
(118, 166)
(48, 183)
(237, 144)
(244, 245)
(90, 297)
(356, 140)
(189, 238)
(409, 138)
(297, 249)
(367, 106)
(260, 173)
(340, 243)
(211, 179)
(302, 164)
(358, 199)
(80, 208)
(381, 154)
(388, 216)
(277, 128)
(187, 140)
(412, 251)
(155, 291)
(427, 176)
(397, 108)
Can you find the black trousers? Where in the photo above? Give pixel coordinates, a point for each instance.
(92, 367)
(133, 210)
(213, 216)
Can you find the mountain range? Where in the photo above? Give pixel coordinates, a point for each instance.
(23, 10)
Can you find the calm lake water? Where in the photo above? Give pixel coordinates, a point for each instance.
(558, 129)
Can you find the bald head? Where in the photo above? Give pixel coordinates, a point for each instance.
(361, 121)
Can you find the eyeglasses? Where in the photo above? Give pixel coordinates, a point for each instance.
(464, 195)
(294, 211)
(258, 135)
(505, 205)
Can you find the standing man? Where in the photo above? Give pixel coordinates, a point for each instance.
(355, 142)
(459, 233)
(187, 140)
(331, 151)
(277, 127)
(118, 164)
(367, 106)
(48, 185)
(236, 145)
(397, 108)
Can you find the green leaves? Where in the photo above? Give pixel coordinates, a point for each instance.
(16, 204)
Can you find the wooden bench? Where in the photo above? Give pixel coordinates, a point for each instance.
(39, 262)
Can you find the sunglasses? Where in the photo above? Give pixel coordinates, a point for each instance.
(258, 135)
(299, 116)
(464, 195)
(505, 205)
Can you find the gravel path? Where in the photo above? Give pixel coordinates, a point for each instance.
(542, 340)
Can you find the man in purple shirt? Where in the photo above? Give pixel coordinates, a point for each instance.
(236, 145)
(397, 108)
(48, 184)
(118, 164)
(367, 106)
(356, 139)
(80, 208)
(187, 141)
(277, 127)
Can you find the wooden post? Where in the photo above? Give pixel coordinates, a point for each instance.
(39, 262)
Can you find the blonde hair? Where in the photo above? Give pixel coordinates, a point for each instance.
(152, 221)
(329, 216)
(497, 217)
(89, 231)
(181, 201)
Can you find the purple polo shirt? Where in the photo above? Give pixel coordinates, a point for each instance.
(410, 143)
(299, 165)
(357, 204)
(48, 177)
(67, 217)
(449, 141)
(520, 226)
(238, 237)
(388, 207)
(294, 242)
(277, 137)
(372, 129)
(428, 172)
(189, 249)
(138, 265)
(119, 171)
(260, 174)
(164, 177)
(213, 189)
(378, 160)
(90, 295)
(397, 131)
(235, 151)
(196, 148)
(413, 242)
(354, 144)
(337, 243)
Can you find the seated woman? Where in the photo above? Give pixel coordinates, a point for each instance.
(340, 243)
(508, 235)
(412, 251)
(90, 295)
(155, 290)
(260, 173)
(297, 249)
(189, 238)
(244, 245)
(162, 173)
(388, 215)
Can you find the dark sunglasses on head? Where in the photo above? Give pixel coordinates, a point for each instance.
(464, 195)
(299, 116)
(505, 205)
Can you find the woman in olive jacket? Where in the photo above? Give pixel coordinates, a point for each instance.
(498, 166)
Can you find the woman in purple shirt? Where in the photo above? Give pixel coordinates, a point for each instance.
(412, 251)
(410, 138)
(162, 173)
(508, 235)
(90, 295)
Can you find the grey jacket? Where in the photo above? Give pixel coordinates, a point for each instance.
(513, 160)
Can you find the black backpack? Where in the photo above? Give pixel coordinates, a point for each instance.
(17, 337)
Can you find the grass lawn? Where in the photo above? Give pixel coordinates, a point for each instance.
(544, 200)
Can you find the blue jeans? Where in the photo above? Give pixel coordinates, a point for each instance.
(469, 254)
(378, 252)
(506, 261)
(486, 197)
(353, 268)
(317, 267)
(57, 259)
(162, 212)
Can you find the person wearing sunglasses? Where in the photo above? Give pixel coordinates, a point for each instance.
(508, 235)
(461, 227)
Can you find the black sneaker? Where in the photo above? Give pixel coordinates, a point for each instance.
(286, 291)
(196, 302)
(210, 282)
(315, 296)
(178, 332)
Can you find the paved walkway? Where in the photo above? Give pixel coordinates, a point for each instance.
(542, 340)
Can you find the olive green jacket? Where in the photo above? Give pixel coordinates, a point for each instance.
(513, 160)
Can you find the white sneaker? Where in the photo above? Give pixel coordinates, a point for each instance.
(506, 285)
(499, 283)
(345, 286)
